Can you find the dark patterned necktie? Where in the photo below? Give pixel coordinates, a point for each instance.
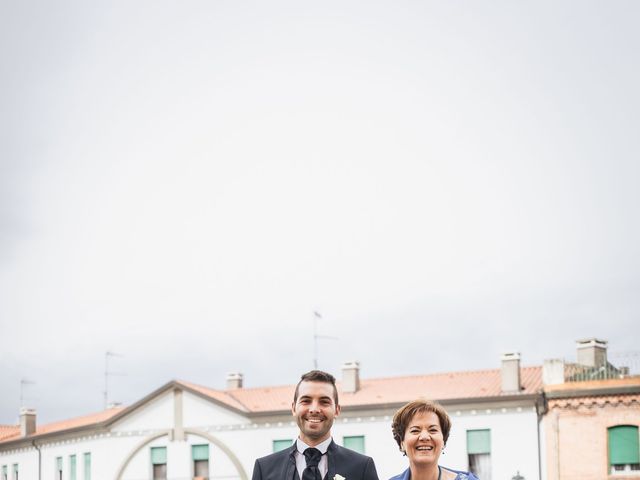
(312, 457)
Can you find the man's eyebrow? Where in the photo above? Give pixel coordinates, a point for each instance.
(324, 397)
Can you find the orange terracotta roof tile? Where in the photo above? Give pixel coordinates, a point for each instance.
(442, 386)
(266, 399)
(222, 396)
(373, 392)
(76, 422)
(9, 431)
(381, 391)
(13, 433)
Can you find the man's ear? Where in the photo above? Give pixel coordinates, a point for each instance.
(293, 408)
(337, 410)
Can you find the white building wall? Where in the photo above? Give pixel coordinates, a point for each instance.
(513, 437)
(220, 465)
(155, 415)
(199, 413)
(249, 442)
(107, 452)
(513, 442)
(378, 442)
(516, 445)
(22, 457)
(179, 459)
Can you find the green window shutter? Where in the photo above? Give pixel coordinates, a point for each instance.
(279, 445)
(59, 464)
(355, 443)
(478, 441)
(623, 445)
(87, 466)
(158, 455)
(4, 472)
(15, 469)
(200, 452)
(72, 467)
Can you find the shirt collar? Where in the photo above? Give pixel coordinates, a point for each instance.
(301, 446)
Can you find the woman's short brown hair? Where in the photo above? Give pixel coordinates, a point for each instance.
(403, 417)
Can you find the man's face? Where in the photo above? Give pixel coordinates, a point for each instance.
(315, 410)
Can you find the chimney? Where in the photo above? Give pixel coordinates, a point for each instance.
(510, 372)
(553, 372)
(350, 377)
(234, 380)
(592, 352)
(27, 421)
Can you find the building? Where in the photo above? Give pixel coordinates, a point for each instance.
(591, 427)
(503, 427)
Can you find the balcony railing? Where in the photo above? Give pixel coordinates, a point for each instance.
(619, 365)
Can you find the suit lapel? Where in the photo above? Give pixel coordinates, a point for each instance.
(289, 467)
(331, 461)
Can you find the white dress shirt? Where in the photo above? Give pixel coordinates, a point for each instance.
(301, 462)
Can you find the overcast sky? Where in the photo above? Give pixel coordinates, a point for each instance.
(185, 183)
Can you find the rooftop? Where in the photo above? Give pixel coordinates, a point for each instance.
(460, 386)
(12, 432)
(382, 391)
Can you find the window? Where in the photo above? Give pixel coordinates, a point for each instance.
(5, 475)
(624, 451)
(200, 455)
(279, 445)
(58, 468)
(159, 463)
(479, 451)
(15, 471)
(72, 467)
(87, 466)
(355, 442)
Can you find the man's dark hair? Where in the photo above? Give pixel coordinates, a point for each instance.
(317, 376)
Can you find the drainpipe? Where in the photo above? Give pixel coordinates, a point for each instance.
(33, 442)
(541, 409)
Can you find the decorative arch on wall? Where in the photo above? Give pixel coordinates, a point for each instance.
(227, 451)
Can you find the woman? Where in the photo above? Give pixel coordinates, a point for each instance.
(421, 429)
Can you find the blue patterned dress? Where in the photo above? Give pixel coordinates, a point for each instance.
(406, 475)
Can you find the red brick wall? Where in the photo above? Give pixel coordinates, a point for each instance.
(575, 431)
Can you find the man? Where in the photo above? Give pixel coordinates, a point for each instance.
(314, 455)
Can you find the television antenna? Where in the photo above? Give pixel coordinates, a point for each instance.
(108, 373)
(317, 316)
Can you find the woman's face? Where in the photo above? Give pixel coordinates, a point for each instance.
(423, 440)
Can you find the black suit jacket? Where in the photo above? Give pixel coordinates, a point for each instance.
(341, 461)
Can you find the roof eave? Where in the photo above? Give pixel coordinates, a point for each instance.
(524, 398)
(94, 428)
(591, 392)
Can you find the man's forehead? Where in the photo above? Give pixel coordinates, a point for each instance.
(316, 389)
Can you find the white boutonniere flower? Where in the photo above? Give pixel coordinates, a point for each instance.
(337, 476)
